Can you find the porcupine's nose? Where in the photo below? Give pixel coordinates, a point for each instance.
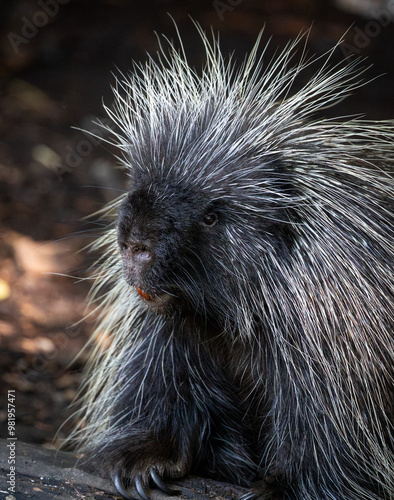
(141, 253)
(138, 256)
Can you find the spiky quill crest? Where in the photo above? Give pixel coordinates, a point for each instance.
(307, 251)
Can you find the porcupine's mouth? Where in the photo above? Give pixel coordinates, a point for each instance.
(152, 299)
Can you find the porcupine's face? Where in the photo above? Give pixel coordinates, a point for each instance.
(167, 237)
(183, 251)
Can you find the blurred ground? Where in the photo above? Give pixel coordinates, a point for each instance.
(55, 69)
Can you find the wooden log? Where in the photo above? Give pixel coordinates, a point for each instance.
(46, 474)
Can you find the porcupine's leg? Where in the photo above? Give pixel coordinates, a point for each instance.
(176, 413)
(304, 456)
(154, 438)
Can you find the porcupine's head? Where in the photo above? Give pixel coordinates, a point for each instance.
(210, 193)
(188, 228)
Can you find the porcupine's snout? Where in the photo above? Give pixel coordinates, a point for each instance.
(138, 256)
(143, 249)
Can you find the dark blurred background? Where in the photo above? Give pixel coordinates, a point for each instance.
(57, 63)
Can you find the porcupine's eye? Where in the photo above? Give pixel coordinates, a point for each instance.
(210, 219)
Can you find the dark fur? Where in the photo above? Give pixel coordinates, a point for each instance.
(206, 409)
(260, 351)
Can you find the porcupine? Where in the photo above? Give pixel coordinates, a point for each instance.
(246, 283)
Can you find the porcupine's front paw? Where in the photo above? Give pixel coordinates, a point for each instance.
(147, 478)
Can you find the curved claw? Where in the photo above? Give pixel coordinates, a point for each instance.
(161, 484)
(118, 482)
(140, 489)
(250, 495)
